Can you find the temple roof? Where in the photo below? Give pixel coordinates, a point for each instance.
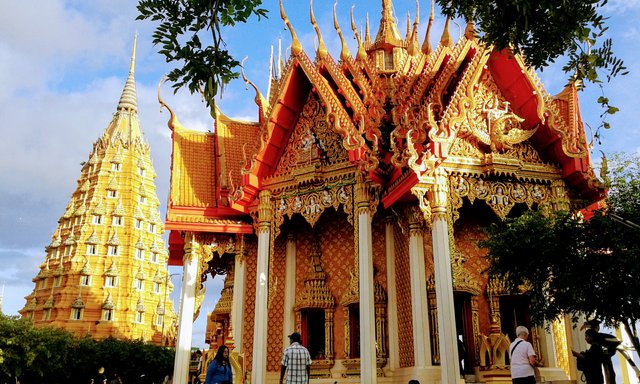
(390, 122)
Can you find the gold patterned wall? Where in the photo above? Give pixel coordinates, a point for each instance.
(379, 249)
(403, 291)
(277, 271)
(468, 233)
(337, 247)
(251, 253)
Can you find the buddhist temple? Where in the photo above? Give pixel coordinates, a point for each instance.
(105, 271)
(351, 209)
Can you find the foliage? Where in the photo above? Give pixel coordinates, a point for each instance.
(544, 30)
(181, 34)
(56, 356)
(570, 266)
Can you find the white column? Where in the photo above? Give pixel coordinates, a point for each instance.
(365, 279)
(444, 299)
(289, 291)
(449, 364)
(237, 315)
(392, 304)
(186, 311)
(419, 304)
(260, 328)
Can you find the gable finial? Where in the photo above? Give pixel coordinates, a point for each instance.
(296, 48)
(344, 52)
(322, 49)
(362, 54)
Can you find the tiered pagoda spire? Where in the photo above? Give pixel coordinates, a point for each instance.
(105, 270)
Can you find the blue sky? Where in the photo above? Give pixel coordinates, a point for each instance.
(63, 64)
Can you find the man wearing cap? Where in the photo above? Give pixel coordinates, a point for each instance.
(296, 362)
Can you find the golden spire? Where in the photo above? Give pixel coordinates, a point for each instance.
(322, 49)
(426, 45)
(344, 52)
(296, 48)
(362, 54)
(367, 35)
(388, 33)
(412, 43)
(128, 100)
(408, 34)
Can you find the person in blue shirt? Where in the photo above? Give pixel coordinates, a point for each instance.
(219, 370)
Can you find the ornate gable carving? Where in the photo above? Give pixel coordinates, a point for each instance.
(491, 125)
(313, 141)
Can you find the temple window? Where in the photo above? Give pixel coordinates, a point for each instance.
(152, 227)
(115, 167)
(138, 224)
(83, 195)
(140, 254)
(388, 60)
(66, 223)
(92, 249)
(76, 313)
(30, 315)
(140, 317)
(139, 284)
(107, 314)
(154, 257)
(67, 250)
(42, 284)
(141, 172)
(142, 200)
(112, 250)
(46, 314)
(156, 287)
(159, 320)
(110, 281)
(85, 280)
(96, 219)
(117, 221)
(57, 281)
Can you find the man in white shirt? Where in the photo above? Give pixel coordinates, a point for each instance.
(523, 358)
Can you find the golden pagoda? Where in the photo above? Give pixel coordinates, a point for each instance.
(355, 216)
(105, 271)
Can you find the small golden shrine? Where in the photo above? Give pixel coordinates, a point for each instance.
(352, 209)
(105, 272)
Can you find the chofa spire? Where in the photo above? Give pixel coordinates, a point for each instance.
(129, 99)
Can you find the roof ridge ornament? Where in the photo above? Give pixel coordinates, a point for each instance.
(344, 52)
(296, 48)
(260, 101)
(426, 45)
(445, 39)
(322, 48)
(362, 53)
(173, 122)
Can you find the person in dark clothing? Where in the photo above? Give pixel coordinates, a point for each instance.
(219, 370)
(590, 361)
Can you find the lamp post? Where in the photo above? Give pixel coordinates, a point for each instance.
(164, 305)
